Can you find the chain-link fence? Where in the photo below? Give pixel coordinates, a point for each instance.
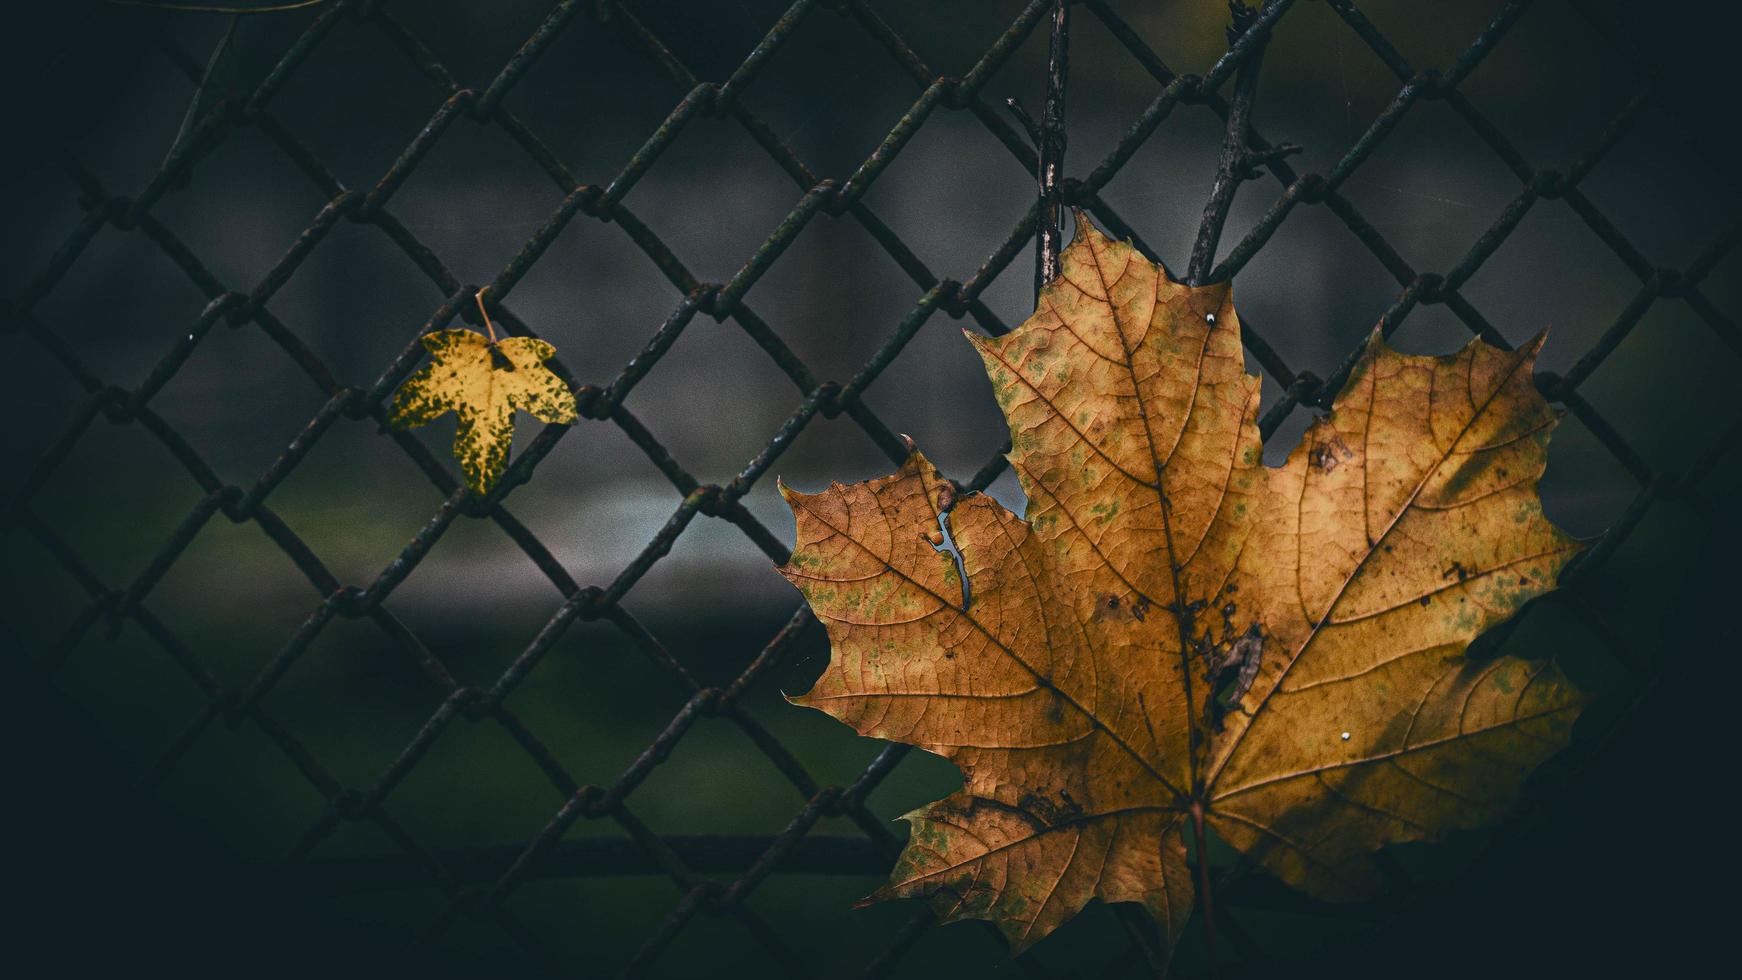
(715, 875)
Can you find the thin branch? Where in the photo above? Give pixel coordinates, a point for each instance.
(1238, 161)
(1052, 147)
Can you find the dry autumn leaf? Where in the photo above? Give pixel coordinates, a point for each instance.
(1178, 636)
(483, 382)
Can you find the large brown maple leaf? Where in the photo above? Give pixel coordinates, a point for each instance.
(1178, 636)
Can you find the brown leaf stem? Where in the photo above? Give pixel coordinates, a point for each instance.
(491, 327)
(1205, 900)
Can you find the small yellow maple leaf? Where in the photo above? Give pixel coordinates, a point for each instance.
(1177, 637)
(483, 383)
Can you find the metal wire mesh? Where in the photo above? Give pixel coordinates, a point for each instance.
(480, 888)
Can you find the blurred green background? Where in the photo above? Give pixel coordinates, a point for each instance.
(105, 92)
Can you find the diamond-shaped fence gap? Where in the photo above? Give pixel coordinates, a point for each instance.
(596, 296)
(595, 701)
(142, 700)
(586, 66)
(949, 38)
(1435, 42)
(1670, 213)
(234, 381)
(387, 698)
(355, 499)
(1577, 82)
(713, 196)
(1109, 88)
(132, 126)
(44, 392)
(233, 595)
(836, 296)
(830, 93)
(937, 392)
(1188, 38)
(714, 39)
(1314, 291)
(57, 211)
(751, 796)
(714, 421)
(260, 41)
(1320, 88)
(475, 199)
(356, 300)
(714, 566)
(1431, 188)
(262, 804)
(475, 787)
(1162, 188)
(953, 166)
(233, 229)
(475, 566)
(832, 754)
(1552, 273)
(473, 42)
(357, 138)
(1669, 349)
(114, 524)
(593, 519)
(120, 307)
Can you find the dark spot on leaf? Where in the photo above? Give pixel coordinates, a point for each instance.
(1326, 456)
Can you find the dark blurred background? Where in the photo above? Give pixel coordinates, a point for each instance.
(189, 873)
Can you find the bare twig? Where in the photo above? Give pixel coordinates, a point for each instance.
(1239, 161)
(1052, 146)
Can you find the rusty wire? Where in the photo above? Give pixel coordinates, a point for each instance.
(477, 883)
